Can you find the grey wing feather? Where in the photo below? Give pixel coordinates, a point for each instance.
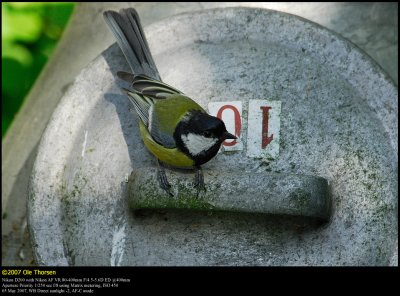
(160, 137)
(156, 92)
(141, 82)
(141, 105)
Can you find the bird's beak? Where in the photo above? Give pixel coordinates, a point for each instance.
(229, 136)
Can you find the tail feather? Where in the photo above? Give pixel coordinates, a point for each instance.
(129, 34)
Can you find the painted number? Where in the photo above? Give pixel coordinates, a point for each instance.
(231, 114)
(263, 126)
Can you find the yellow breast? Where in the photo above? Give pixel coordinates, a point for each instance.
(172, 157)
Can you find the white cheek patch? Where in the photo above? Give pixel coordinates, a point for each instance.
(197, 143)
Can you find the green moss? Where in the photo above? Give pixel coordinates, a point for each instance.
(167, 202)
(282, 144)
(384, 210)
(235, 183)
(156, 198)
(300, 199)
(359, 154)
(68, 192)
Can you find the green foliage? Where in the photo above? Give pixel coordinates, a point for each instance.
(30, 32)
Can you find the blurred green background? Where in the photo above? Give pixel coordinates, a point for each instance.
(30, 32)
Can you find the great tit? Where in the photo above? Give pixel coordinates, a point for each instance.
(173, 127)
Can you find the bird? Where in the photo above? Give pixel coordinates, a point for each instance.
(173, 127)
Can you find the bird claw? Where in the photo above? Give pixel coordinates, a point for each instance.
(165, 185)
(162, 179)
(199, 181)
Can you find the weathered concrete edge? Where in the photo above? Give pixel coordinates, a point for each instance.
(267, 193)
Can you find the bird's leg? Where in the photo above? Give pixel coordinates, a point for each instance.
(162, 178)
(199, 180)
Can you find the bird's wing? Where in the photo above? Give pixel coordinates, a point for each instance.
(147, 86)
(156, 102)
(172, 110)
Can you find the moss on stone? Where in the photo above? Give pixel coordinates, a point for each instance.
(155, 198)
(300, 199)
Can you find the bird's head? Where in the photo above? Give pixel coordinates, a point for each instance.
(200, 135)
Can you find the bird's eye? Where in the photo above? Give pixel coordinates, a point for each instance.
(207, 134)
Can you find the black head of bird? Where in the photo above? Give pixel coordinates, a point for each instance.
(200, 135)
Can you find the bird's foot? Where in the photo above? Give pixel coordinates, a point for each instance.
(199, 181)
(163, 181)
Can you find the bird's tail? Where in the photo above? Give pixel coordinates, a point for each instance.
(129, 33)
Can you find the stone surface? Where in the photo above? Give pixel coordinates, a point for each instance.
(371, 26)
(267, 193)
(335, 124)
